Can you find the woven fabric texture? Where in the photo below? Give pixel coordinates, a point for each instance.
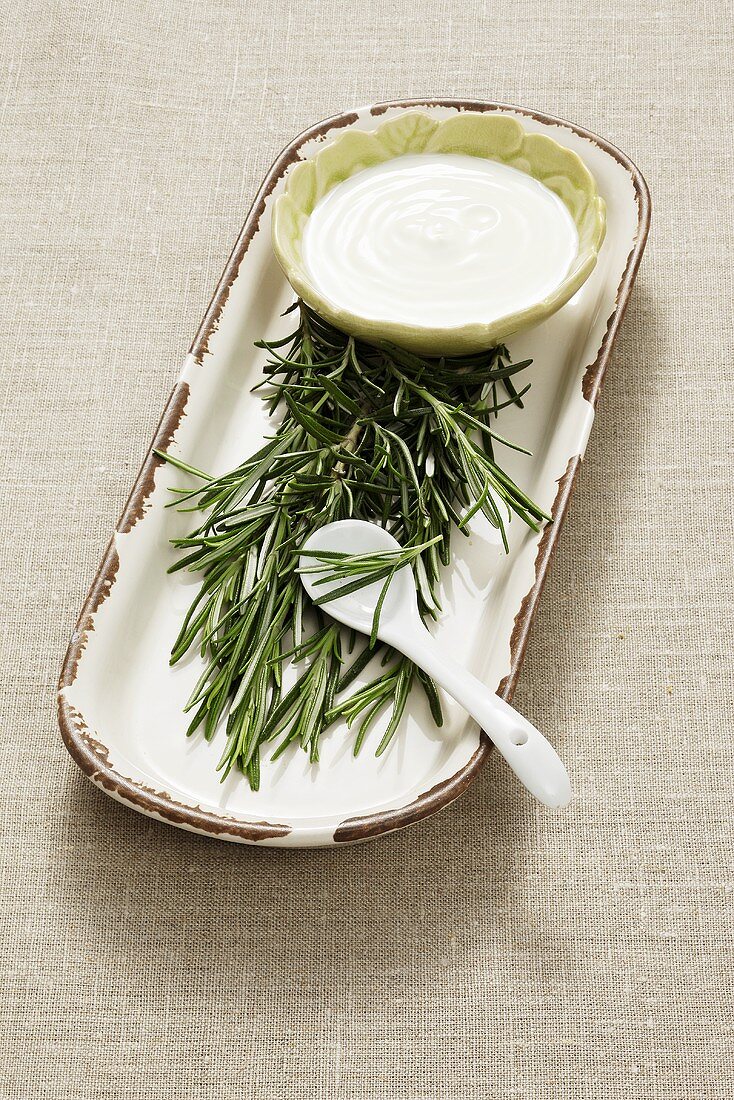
(496, 950)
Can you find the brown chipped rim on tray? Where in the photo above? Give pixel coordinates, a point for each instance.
(91, 756)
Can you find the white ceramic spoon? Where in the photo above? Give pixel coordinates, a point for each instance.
(532, 758)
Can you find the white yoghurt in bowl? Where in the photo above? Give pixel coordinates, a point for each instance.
(439, 240)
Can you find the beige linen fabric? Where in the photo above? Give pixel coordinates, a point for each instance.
(497, 950)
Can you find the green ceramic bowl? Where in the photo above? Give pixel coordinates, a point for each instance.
(497, 137)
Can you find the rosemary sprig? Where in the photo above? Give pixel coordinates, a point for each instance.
(374, 432)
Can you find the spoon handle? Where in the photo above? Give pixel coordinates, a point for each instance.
(532, 758)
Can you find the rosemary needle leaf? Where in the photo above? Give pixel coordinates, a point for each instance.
(378, 609)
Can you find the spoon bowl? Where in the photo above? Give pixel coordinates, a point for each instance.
(356, 610)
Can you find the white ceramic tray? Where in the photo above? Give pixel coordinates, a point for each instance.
(120, 704)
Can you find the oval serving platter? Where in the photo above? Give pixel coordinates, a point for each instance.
(120, 703)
